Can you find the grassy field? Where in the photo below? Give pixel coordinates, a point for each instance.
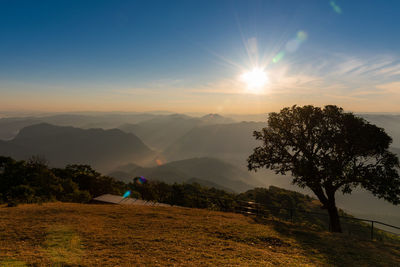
(60, 234)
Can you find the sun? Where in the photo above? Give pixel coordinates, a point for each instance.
(255, 79)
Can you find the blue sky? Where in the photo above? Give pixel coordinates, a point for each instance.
(189, 55)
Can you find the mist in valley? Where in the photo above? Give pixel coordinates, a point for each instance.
(210, 149)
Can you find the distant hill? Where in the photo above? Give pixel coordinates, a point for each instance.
(214, 118)
(205, 171)
(180, 137)
(162, 131)
(232, 142)
(60, 145)
(105, 121)
(9, 127)
(209, 184)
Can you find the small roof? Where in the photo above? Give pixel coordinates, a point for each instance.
(115, 199)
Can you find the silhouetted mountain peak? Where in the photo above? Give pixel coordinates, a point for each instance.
(211, 115)
(215, 118)
(67, 145)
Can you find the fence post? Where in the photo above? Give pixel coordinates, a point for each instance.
(372, 230)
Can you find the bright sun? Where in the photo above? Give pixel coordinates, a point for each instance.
(255, 80)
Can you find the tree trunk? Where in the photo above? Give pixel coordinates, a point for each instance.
(334, 220)
(329, 203)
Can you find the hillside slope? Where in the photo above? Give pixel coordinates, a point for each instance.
(231, 142)
(9, 127)
(207, 171)
(103, 149)
(162, 131)
(118, 235)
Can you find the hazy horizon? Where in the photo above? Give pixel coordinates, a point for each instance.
(30, 113)
(162, 55)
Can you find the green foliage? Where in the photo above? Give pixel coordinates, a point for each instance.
(21, 193)
(187, 195)
(88, 179)
(33, 181)
(81, 196)
(197, 196)
(328, 150)
(277, 197)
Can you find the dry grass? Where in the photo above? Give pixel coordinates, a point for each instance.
(60, 234)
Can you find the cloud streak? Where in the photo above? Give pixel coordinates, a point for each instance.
(335, 75)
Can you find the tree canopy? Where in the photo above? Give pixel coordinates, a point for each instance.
(33, 181)
(326, 150)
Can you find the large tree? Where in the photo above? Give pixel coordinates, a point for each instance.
(328, 150)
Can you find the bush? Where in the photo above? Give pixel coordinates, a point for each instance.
(22, 194)
(33, 181)
(12, 203)
(81, 196)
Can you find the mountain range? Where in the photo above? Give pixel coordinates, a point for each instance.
(205, 171)
(232, 142)
(10, 126)
(210, 150)
(62, 145)
(162, 131)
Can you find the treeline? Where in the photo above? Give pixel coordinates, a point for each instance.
(273, 199)
(186, 195)
(272, 202)
(32, 181)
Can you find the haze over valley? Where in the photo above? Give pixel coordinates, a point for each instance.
(210, 149)
(200, 132)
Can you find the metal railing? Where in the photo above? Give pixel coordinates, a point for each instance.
(349, 224)
(357, 227)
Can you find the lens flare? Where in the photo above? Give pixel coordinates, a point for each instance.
(335, 7)
(295, 43)
(291, 46)
(278, 57)
(302, 36)
(127, 194)
(141, 180)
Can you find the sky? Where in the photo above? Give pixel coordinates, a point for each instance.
(192, 56)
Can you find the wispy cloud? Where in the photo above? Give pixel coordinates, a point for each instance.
(382, 67)
(390, 88)
(329, 75)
